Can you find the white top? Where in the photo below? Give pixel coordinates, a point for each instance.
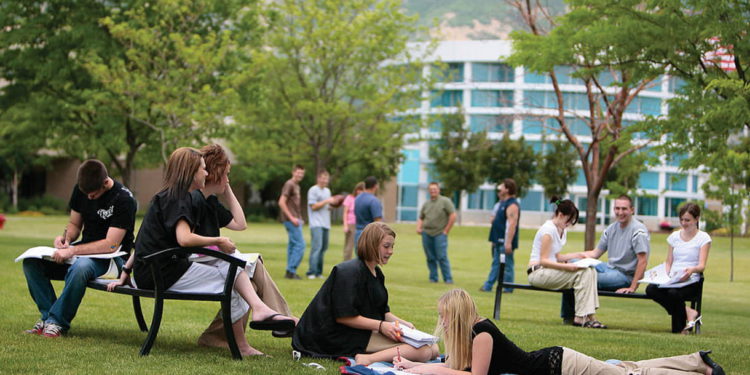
(557, 242)
(687, 254)
(322, 216)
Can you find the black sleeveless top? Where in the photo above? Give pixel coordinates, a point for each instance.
(509, 358)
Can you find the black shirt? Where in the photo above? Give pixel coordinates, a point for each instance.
(115, 208)
(158, 232)
(350, 290)
(509, 358)
(210, 215)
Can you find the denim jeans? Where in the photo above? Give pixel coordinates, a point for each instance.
(295, 248)
(61, 311)
(509, 273)
(608, 278)
(436, 251)
(357, 233)
(318, 247)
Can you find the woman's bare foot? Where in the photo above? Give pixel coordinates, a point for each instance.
(250, 351)
(691, 313)
(268, 313)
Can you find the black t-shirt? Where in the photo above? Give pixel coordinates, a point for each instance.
(157, 233)
(210, 215)
(350, 290)
(509, 358)
(115, 208)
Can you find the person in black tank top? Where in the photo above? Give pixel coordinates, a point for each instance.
(464, 332)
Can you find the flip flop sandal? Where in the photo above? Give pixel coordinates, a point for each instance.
(594, 324)
(269, 324)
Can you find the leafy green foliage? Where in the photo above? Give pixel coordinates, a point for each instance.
(460, 156)
(333, 77)
(558, 169)
(514, 159)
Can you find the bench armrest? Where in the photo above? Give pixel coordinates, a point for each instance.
(194, 250)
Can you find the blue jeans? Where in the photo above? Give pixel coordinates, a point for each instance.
(61, 311)
(357, 233)
(436, 251)
(295, 248)
(318, 247)
(509, 273)
(607, 278)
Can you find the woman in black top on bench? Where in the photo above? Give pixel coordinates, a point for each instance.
(168, 224)
(474, 345)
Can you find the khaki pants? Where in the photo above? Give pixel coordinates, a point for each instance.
(575, 363)
(267, 291)
(349, 242)
(582, 281)
(379, 342)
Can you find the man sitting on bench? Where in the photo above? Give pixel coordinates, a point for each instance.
(104, 210)
(627, 241)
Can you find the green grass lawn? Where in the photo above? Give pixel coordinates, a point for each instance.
(105, 336)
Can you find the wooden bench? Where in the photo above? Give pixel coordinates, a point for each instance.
(695, 302)
(159, 294)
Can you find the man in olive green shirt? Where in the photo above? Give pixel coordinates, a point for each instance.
(435, 221)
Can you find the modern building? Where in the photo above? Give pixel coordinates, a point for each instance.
(499, 98)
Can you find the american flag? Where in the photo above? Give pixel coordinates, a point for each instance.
(721, 56)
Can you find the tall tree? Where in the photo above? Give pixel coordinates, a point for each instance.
(514, 159)
(335, 75)
(584, 49)
(460, 156)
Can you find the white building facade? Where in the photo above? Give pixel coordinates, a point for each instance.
(499, 98)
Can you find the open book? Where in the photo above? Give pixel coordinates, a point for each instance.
(417, 338)
(587, 262)
(45, 252)
(658, 275)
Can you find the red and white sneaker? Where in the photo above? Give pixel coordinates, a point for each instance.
(53, 330)
(37, 329)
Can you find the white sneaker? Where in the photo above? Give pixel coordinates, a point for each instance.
(311, 277)
(37, 329)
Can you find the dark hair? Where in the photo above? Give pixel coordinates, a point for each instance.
(624, 197)
(216, 162)
(510, 184)
(567, 208)
(692, 209)
(370, 182)
(298, 166)
(91, 176)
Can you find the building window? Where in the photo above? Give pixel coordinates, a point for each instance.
(491, 123)
(532, 201)
(648, 180)
(645, 106)
(674, 160)
(676, 182)
(672, 205)
(695, 184)
(675, 84)
(539, 99)
(409, 171)
(491, 98)
(647, 206)
(446, 98)
(452, 72)
(406, 214)
(409, 195)
(492, 72)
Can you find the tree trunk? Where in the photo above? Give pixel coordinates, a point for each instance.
(14, 187)
(592, 199)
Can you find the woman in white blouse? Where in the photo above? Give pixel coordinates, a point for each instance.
(548, 270)
(686, 254)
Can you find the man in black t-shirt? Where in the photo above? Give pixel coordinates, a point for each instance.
(104, 210)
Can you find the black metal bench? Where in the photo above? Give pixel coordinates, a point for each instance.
(695, 303)
(160, 294)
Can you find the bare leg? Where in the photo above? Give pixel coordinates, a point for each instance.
(239, 335)
(261, 311)
(423, 354)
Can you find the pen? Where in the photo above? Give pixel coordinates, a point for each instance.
(398, 352)
(65, 234)
(398, 332)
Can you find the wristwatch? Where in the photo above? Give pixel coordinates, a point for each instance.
(127, 270)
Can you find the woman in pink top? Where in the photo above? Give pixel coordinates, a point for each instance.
(350, 220)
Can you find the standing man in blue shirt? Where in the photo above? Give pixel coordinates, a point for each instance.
(504, 234)
(319, 214)
(367, 207)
